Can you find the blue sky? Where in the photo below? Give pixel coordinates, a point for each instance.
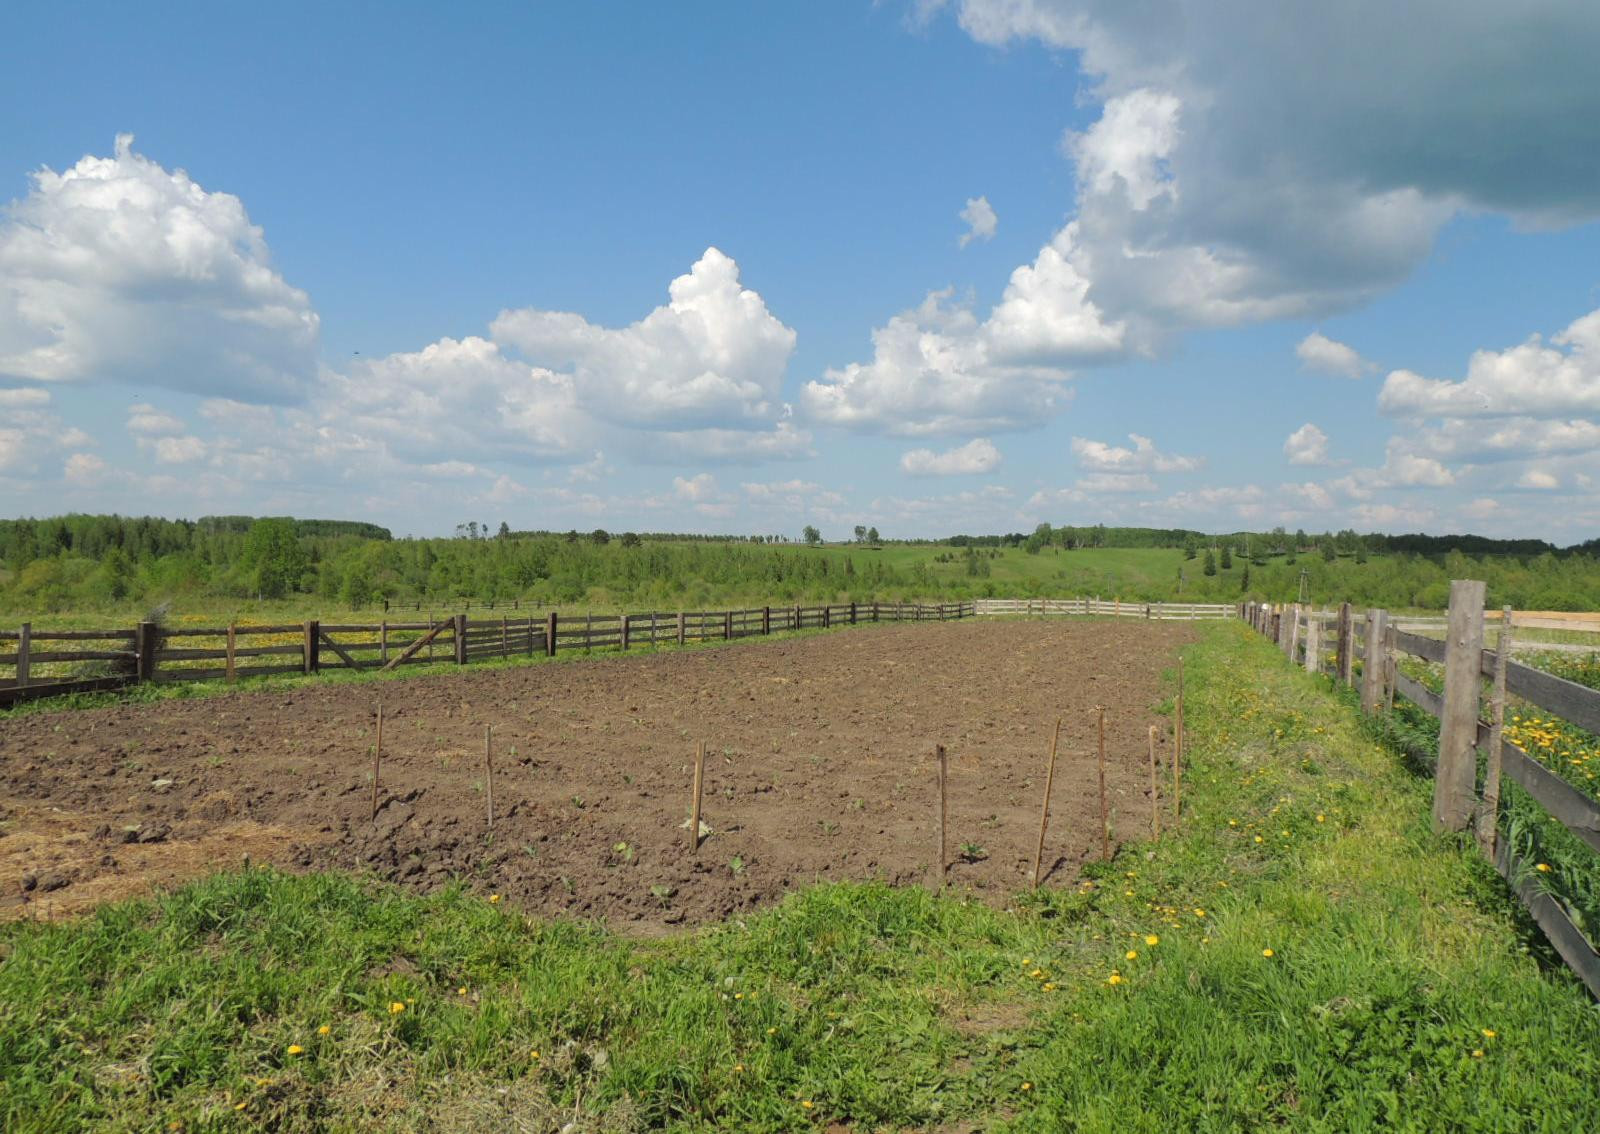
(931, 267)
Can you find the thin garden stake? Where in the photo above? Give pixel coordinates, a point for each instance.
(1044, 808)
(1489, 820)
(944, 810)
(1177, 749)
(377, 761)
(488, 772)
(1155, 790)
(694, 805)
(1105, 818)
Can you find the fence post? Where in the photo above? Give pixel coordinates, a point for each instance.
(24, 647)
(1372, 668)
(852, 614)
(460, 635)
(681, 628)
(1489, 811)
(766, 620)
(1455, 781)
(1313, 641)
(1346, 661)
(624, 631)
(550, 635)
(1293, 647)
(310, 654)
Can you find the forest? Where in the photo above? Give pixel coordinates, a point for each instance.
(90, 562)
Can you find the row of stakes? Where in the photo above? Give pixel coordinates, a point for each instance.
(697, 790)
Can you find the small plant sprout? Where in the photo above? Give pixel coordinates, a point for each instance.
(624, 851)
(736, 865)
(662, 893)
(972, 852)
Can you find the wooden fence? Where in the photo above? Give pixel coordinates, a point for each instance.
(50, 663)
(1332, 642)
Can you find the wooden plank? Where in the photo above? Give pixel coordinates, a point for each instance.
(15, 695)
(1564, 936)
(214, 673)
(1419, 694)
(1415, 644)
(73, 635)
(1574, 810)
(21, 658)
(411, 650)
(1568, 700)
(338, 649)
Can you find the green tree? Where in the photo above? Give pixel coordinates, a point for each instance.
(1227, 557)
(872, 536)
(273, 558)
(1244, 580)
(1328, 552)
(812, 535)
(1210, 567)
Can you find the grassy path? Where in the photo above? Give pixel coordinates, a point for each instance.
(1301, 953)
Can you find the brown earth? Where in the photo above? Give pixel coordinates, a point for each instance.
(819, 766)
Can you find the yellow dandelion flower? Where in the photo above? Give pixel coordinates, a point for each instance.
(1131, 955)
(1321, 818)
(1477, 1053)
(324, 1030)
(1036, 973)
(241, 1106)
(807, 1103)
(1027, 1086)
(1152, 940)
(494, 898)
(533, 1055)
(395, 1008)
(1114, 978)
(295, 1049)
(1199, 913)
(772, 1031)
(1543, 868)
(1267, 953)
(1489, 1033)
(1259, 839)
(462, 991)
(1049, 987)
(1027, 961)
(737, 1068)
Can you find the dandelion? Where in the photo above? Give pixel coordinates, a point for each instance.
(1267, 953)
(807, 1103)
(462, 991)
(241, 1106)
(533, 1055)
(1199, 913)
(1320, 818)
(493, 898)
(1477, 1053)
(1489, 1033)
(395, 1008)
(1131, 955)
(1543, 868)
(772, 1031)
(1114, 979)
(295, 1049)
(1152, 940)
(1049, 987)
(738, 1068)
(1027, 961)
(324, 1030)
(1036, 973)
(1259, 839)
(1027, 1086)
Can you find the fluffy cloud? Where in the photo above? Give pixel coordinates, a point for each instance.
(1240, 169)
(24, 396)
(1538, 479)
(1328, 356)
(1144, 457)
(1307, 445)
(712, 356)
(146, 421)
(933, 372)
(83, 470)
(981, 220)
(976, 456)
(119, 269)
(1530, 379)
(29, 435)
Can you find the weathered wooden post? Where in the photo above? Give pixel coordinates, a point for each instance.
(1489, 812)
(1313, 641)
(311, 653)
(624, 631)
(24, 648)
(727, 626)
(1293, 647)
(1346, 649)
(1455, 781)
(460, 635)
(233, 632)
(766, 620)
(1372, 668)
(145, 639)
(682, 628)
(550, 634)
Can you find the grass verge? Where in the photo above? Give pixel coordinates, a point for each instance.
(1302, 952)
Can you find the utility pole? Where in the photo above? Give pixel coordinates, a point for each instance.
(1303, 584)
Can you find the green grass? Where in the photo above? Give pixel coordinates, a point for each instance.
(887, 1008)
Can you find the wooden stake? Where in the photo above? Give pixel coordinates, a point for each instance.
(1105, 817)
(1177, 748)
(488, 772)
(1489, 816)
(1044, 808)
(1155, 789)
(377, 761)
(1455, 782)
(699, 788)
(944, 810)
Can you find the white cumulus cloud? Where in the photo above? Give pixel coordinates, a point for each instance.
(1307, 445)
(122, 270)
(1329, 356)
(1143, 457)
(981, 220)
(976, 456)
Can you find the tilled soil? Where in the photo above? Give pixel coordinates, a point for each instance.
(820, 765)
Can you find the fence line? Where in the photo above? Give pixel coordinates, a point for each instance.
(1374, 638)
(149, 652)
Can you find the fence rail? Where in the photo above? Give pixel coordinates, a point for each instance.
(106, 659)
(1374, 638)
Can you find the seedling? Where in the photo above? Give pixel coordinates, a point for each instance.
(662, 893)
(736, 864)
(972, 852)
(623, 851)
